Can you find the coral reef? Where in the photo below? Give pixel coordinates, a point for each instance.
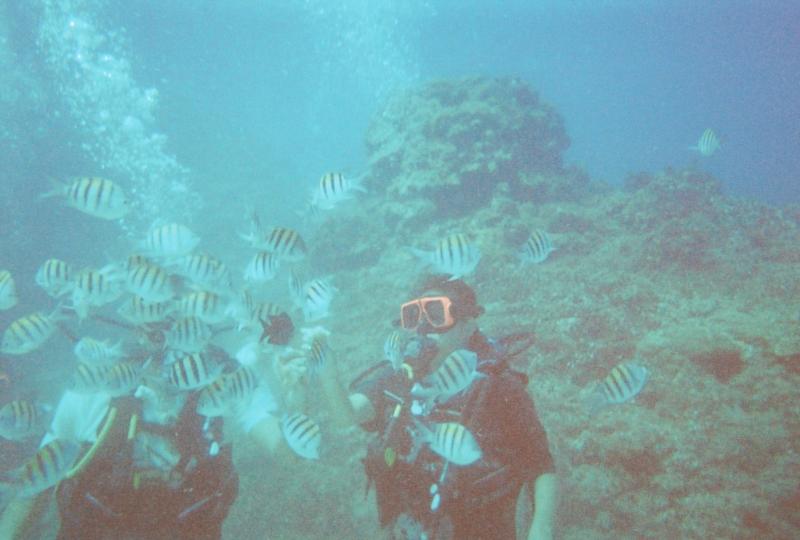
(454, 141)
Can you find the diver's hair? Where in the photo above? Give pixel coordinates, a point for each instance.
(465, 303)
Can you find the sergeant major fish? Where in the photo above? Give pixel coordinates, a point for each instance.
(169, 240)
(8, 291)
(393, 349)
(455, 374)
(622, 384)
(313, 298)
(262, 267)
(536, 248)
(450, 440)
(455, 255)
(94, 351)
(95, 288)
(206, 306)
(707, 144)
(302, 435)
(205, 272)
(188, 334)
(283, 242)
(28, 333)
(94, 196)
(20, 419)
(137, 310)
(45, 469)
(55, 277)
(193, 370)
(228, 393)
(334, 188)
(150, 282)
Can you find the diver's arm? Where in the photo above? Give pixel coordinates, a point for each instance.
(345, 410)
(544, 492)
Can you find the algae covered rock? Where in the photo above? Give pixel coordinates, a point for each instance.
(453, 141)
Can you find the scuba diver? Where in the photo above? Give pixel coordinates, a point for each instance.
(152, 467)
(457, 438)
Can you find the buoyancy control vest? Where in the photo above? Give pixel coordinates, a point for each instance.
(423, 485)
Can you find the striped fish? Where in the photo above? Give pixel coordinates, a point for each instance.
(19, 419)
(170, 240)
(8, 291)
(707, 144)
(455, 374)
(622, 384)
(28, 333)
(318, 353)
(302, 435)
(55, 277)
(205, 272)
(150, 282)
(314, 298)
(122, 378)
(139, 311)
(206, 306)
(285, 243)
(89, 378)
(193, 370)
(393, 349)
(334, 188)
(94, 351)
(188, 334)
(228, 393)
(46, 468)
(94, 288)
(262, 267)
(450, 440)
(94, 196)
(136, 260)
(536, 248)
(455, 255)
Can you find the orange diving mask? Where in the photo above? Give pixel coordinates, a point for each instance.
(434, 310)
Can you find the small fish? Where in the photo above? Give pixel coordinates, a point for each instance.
(302, 435)
(45, 469)
(228, 393)
(94, 351)
(707, 144)
(55, 277)
(318, 354)
(188, 334)
(90, 378)
(8, 291)
(314, 298)
(170, 240)
(139, 311)
(122, 378)
(193, 370)
(536, 248)
(205, 272)
(206, 306)
(20, 419)
(393, 350)
(455, 255)
(334, 188)
(450, 440)
(28, 333)
(262, 313)
(95, 288)
(136, 260)
(455, 374)
(150, 282)
(622, 384)
(94, 196)
(285, 243)
(262, 267)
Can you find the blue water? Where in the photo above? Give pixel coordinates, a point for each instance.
(291, 87)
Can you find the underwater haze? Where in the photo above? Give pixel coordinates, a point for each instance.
(622, 179)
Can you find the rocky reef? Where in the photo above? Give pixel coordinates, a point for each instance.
(668, 271)
(453, 142)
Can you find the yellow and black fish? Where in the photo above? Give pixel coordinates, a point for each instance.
(8, 291)
(94, 196)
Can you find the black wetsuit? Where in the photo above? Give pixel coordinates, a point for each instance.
(104, 499)
(477, 501)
